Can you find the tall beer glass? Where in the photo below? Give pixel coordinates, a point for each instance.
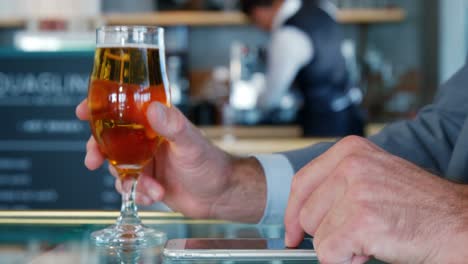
(129, 73)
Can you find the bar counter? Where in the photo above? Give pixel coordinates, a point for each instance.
(64, 236)
(266, 139)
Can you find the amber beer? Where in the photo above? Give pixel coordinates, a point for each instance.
(124, 81)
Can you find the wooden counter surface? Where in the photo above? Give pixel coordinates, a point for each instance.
(262, 132)
(266, 139)
(214, 18)
(252, 132)
(259, 146)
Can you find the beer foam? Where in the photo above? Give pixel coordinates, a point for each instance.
(129, 45)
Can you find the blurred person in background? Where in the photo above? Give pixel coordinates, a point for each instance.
(305, 52)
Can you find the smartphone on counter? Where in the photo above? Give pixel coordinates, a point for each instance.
(237, 249)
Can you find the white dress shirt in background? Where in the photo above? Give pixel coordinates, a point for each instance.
(290, 50)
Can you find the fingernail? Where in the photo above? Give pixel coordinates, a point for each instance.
(154, 194)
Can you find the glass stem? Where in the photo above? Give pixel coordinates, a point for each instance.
(128, 211)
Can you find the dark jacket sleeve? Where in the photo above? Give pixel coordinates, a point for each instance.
(428, 140)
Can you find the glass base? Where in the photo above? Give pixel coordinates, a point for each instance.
(128, 236)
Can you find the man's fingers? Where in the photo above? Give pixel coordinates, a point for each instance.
(311, 176)
(151, 188)
(320, 202)
(143, 199)
(82, 111)
(304, 184)
(297, 198)
(94, 158)
(345, 231)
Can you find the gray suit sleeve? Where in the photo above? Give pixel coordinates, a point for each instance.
(427, 140)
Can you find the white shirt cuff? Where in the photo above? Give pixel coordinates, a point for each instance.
(279, 174)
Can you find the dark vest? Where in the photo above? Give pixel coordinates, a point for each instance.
(325, 77)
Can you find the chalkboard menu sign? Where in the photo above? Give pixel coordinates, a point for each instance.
(42, 144)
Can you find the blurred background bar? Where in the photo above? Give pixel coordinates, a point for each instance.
(396, 51)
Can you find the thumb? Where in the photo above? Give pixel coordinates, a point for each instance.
(170, 123)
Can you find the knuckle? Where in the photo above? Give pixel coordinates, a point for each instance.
(355, 161)
(356, 144)
(351, 166)
(353, 141)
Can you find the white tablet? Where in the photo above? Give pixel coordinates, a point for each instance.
(237, 249)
